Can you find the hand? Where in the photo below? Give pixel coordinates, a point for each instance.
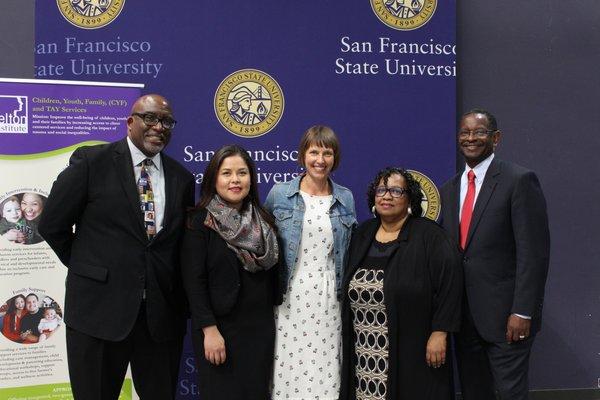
(517, 328)
(436, 349)
(15, 235)
(49, 334)
(214, 345)
(30, 337)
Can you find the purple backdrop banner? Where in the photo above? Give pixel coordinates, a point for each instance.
(382, 75)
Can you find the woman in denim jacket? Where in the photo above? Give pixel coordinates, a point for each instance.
(315, 218)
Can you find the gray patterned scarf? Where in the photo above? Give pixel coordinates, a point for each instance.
(246, 233)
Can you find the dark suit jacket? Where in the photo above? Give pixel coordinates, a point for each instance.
(109, 256)
(506, 256)
(211, 273)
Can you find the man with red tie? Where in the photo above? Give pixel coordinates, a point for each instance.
(496, 211)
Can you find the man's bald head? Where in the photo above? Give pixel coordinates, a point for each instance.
(149, 100)
(151, 138)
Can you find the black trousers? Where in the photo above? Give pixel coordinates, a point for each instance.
(489, 367)
(97, 367)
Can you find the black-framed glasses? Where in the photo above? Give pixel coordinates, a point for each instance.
(395, 192)
(151, 119)
(478, 133)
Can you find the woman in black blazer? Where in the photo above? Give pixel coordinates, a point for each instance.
(402, 295)
(230, 265)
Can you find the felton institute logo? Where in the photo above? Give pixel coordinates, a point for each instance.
(431, 196)
(14, 114)
(90, 14)
(404, 15)
(249, 103)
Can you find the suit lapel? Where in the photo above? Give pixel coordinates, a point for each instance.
(124, 166)
(361, 247)
(171, 183)
(367, 237)
(487, 188)
(453, 219)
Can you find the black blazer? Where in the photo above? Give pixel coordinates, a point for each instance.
(109, 256)
(506, 256)
(211, 272)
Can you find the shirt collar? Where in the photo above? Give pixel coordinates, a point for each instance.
(137, 156)
(480, 169)
(294, 189)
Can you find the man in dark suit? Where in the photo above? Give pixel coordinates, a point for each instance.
(124, 301)
(496, 211)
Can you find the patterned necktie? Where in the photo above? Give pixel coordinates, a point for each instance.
(467, 210)
(147, 199)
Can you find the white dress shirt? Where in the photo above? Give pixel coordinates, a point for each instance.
(157, 180)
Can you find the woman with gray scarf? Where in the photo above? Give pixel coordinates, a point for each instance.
(230, 266)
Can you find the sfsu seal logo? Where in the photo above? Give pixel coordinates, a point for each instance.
(90, 14)
(249, 103)
(431, 196)
(404, 15)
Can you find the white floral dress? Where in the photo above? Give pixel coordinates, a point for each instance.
(308, 341)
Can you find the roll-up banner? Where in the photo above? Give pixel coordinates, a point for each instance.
(41, 124)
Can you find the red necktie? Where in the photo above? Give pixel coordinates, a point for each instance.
(467, 209)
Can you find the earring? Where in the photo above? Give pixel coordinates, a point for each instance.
(373, 211)
(409, 210)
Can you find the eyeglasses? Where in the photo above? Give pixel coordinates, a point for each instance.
(152, 120)
(395, 192)
(478, 133)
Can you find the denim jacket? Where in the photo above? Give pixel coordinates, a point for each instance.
(287, 206)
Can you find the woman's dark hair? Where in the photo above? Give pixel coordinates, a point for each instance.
(209, 181)
(41, 197)
(11, 303)
(412, 186)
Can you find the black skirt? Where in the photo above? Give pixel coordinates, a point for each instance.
(249, 334)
